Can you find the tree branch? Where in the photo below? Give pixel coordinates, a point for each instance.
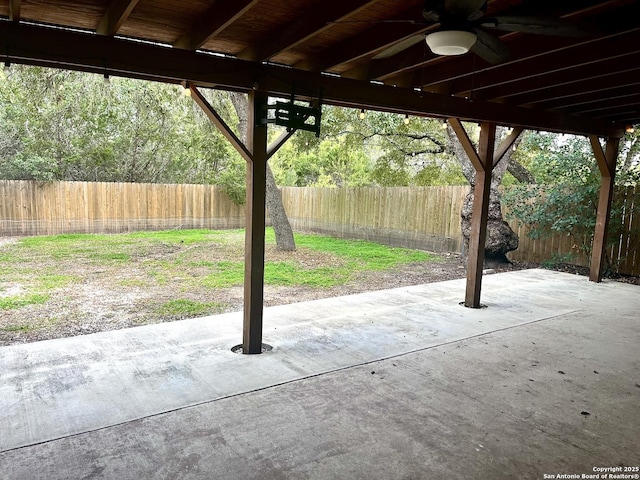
(520, 172)
(440, 147)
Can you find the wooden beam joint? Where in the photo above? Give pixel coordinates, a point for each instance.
(115, 16)
(506, 144)
(219, 16)
(219, 122)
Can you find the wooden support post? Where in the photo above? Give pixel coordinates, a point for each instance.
(255, 223)
(256, 153)
(483, 164)
(607, 165)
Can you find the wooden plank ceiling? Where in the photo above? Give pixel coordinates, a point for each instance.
(359, 53)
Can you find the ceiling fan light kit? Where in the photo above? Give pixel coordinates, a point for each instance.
(451, 42)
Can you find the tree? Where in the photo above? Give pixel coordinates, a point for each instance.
(402, 152)
(64, 125)
(281, 226)
(330, 164)
(501, 239)
(381, 149)
(566, 199)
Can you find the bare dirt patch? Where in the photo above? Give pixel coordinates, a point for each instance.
(115, 295)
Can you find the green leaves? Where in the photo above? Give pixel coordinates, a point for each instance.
(60, 125)
(566, 200)
(381, 149)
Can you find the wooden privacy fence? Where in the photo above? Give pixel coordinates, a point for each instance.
(624, 253)
(429, 218)
(39, 208)
(416, 217)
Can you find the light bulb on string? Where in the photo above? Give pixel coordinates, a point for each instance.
(406, 119)
(362, 114)
(186, 89)
(106, 79)
(7, 67)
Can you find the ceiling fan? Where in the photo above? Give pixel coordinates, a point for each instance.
(463, 27)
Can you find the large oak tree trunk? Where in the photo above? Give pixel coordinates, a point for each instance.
(501, 239)
(275, 207)
(278, 215)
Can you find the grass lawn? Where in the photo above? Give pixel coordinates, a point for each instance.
(48, 283)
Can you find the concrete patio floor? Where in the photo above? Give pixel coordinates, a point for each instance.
(394, 384)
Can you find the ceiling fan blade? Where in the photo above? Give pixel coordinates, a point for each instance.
(463, 7)
(489, 47)
(432, 10)
(540, 26)
(401, 46)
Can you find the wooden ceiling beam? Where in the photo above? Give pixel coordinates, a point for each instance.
(312, 23)
(400, 63)
(531, 59)
(563, 59)
(581, 98)
(577, 87)
(620, 64)
(397, 72)
(434, 72)
(630, 116)
(606, 107)
(75, 50)
(371, 40)
(219, 16)
(460, 67)
(115, 16)
(14, 10)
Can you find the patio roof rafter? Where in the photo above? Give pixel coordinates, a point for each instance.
(577, 100)
(623, 65)
(401, 69)
(117, 13)
(377, 37)
(311, 23)
(621, 44)
(219, 16)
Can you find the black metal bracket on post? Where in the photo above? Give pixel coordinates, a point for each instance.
(297, 117)
(293, 116)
